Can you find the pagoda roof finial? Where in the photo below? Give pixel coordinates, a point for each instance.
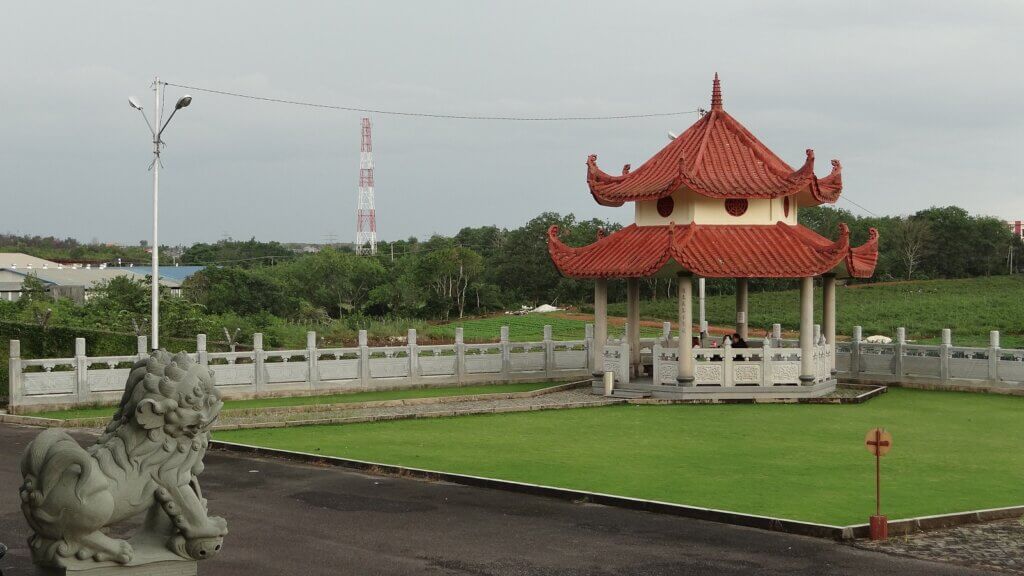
(716, 94)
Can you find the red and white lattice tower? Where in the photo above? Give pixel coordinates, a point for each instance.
(366, 215)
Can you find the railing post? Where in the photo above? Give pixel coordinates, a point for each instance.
(588, 346)
(624, 360)
(767, 378)
(460, 355)
(259, 379)
(777, 335)
(312, 359)
(413, 350)
(81, 372)
(656, 352)
(549, 353)
(666, 331)
(202, 357)
(17, 386)
(855, 369)
(506, 355)
(142, 347)
(364, 359)
(944, 353)
(817, 334)
(897, 352)
(993, 356)
(727, 376)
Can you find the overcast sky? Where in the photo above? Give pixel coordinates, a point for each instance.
(921, 101)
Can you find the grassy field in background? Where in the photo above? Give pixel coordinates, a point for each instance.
(952, 452)
(106, 411)
(523, 328)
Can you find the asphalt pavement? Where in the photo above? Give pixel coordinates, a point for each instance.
(292, 518)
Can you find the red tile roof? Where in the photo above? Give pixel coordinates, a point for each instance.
(719, 158)
(719, 251)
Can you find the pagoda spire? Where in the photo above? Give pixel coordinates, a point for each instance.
(716, 94)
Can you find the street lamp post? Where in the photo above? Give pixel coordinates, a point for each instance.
(157, 143)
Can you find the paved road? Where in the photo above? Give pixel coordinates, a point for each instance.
(287, 518)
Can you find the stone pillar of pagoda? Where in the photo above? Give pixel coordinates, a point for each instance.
(633, 323)
(807, 330)
(828, 313)
(741, 307)
(600, 325)
(685, 351)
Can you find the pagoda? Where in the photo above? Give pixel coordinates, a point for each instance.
(716, 203)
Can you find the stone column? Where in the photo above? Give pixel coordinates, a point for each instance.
(312, 357)
(741, 307)
(685, 351)
(898, 349)
(588, 343)
(633, 319)
(807, 330)
(549, 353)
(944, 353)
(17, 388)
(506, 355)
(828, 314)
(141, 347)
(201, 353)
(858, 334)
(600, 324)
(81, 372)
(259, 379)
(364, 358)
(414, 353)
(993, 356)
(460, 355)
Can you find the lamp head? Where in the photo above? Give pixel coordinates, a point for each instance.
(183, 102)
(134, 103)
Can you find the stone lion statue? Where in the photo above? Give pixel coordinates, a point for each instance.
(148, 459)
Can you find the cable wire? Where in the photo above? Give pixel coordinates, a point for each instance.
(431, 115)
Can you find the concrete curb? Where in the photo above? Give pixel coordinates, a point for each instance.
(579, 496)
(899, 527)
(314, 408)
(415, 415)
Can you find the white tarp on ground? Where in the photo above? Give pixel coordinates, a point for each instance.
(544, 308)
(878, 339)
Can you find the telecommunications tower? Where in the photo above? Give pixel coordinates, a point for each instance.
(366, 216)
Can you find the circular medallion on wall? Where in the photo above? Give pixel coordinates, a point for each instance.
(736, 206)
(665, 206)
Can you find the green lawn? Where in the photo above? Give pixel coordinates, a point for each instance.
(527, 328)
(106, 411)
(952, 452)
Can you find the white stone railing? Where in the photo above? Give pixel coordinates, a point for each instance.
(765, 365)
(939, 365)
(37, 384)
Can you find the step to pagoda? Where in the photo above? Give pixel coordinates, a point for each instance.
(631, 394)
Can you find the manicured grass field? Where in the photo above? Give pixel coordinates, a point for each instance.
(527, 328)
(101, 412)
(952, 452)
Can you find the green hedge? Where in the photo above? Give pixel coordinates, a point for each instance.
(59, 342)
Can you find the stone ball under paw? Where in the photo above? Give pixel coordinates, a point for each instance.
(203, 548)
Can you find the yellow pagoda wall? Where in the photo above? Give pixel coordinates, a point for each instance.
(692, 207)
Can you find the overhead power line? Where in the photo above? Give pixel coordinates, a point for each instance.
(859, 206)
(431, 115)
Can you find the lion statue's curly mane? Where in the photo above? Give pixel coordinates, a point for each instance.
(147, 459)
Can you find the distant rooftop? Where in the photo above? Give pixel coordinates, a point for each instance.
(19, 260)
(178, 273)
